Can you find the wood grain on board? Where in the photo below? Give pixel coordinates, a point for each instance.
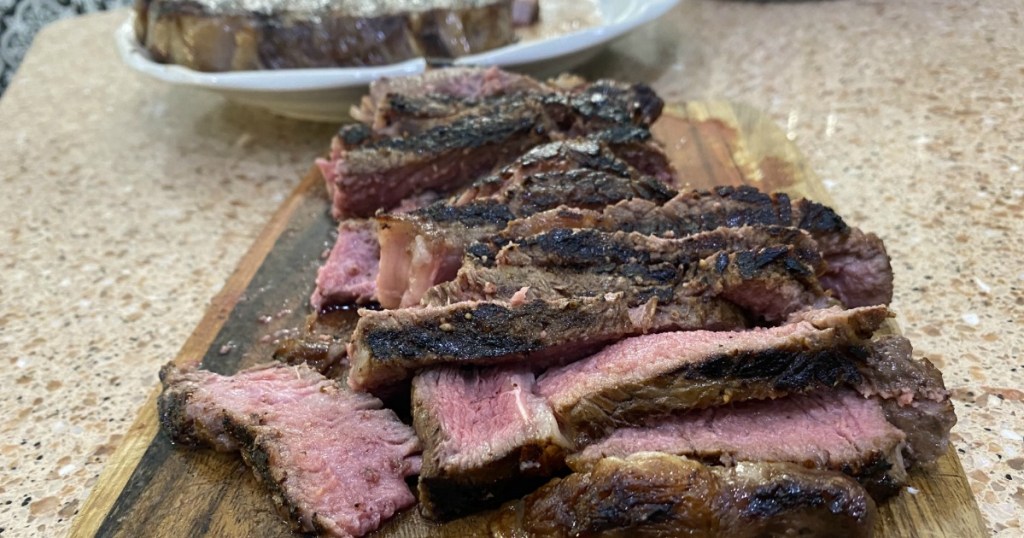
(153, 488)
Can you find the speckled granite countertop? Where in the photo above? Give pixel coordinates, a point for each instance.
(126, 203)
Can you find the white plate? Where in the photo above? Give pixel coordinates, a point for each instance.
(327, 94)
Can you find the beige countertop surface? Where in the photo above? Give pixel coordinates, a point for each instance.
(125, 203)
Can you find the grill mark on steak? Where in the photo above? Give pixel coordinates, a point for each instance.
(858, 268)
(653, 494)
(387, 346)
(487, 438)
(839, 431)
(425, 247)
(362, 452)
(774, 278)
(472, 140)
(663, 373)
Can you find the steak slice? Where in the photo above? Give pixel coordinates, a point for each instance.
(349, 275)
(471, 140)
(913, 396)
(653, 494)
(424, 248)
(841, 431)
(334, 460)
(858, 266)
(388, 346)
(768, 271)
(487, 438)
(674, 371)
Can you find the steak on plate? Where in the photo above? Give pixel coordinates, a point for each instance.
(334, 460)
(218, 35)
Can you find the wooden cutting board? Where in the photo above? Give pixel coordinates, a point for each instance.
(151, 488)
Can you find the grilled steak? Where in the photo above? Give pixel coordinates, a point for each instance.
(424, 248)
(222, 35)
(858, 267)
(473, 139)
(334, 460)
(487, 438)
(841, 431)
(653, 494)
(662, 373)
(388, 346)
(768, 271)
(913, 396)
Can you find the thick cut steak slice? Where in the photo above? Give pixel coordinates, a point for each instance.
(768, 271)
(425, 247)
(858, 266)
(335, 460)
(840, 430)
(653, 494)
(662, 373)
(487, 438)
(388, 346)
(473, 139)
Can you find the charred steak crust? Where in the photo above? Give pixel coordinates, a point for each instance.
(658, 495)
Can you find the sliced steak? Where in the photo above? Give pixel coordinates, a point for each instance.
(487, 438)
(388, 346)
(663, 373)
(349, 275)
(335, 460)
(769, 271)
(858, 266)
(653, 494)
(458, 84)
(425, 247)
(913, 396)
(836, 430)
(471, 140)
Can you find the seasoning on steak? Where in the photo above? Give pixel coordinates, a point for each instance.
(335, 460)
(837, 430)
(425, 247)
(388, 346)
(222, 35)
(858, 271)
(487, 438)
(474, 139)
(652, 494)
(663, 373)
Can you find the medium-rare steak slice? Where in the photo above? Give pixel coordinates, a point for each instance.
(837, 430)
(858, 266)
(487, 438)
(652, 494)
(674, 371)
(769, 271)
(349, 275)
(335, 460)
(388, 346)
(425, 247)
